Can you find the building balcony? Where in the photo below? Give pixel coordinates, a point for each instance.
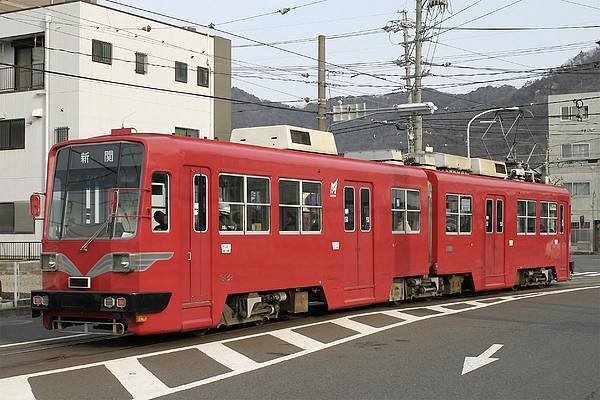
(21, 78)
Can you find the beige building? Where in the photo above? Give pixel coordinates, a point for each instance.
(574, 144)
(16, 5)
(75, 70)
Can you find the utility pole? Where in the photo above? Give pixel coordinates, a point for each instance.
(409, 97)
(417, 89)
(322, 101)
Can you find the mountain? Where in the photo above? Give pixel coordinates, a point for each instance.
(446, 129)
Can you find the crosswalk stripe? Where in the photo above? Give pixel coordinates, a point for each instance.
(226, 356)
(17, 388)
(401, 315)
(297, 339)
(138, 381)
(353, 325)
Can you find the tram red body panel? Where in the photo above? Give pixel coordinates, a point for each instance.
(352, 267)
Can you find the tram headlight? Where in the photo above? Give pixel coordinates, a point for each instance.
(121, 263)
(109, 302)
(48, 262)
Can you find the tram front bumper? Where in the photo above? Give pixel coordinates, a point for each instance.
(98, 302)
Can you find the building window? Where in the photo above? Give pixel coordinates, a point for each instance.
(459, 214)
(572, 113)
(61, 134)
(181, 72)
(7, 218)
(244, 204)
(12, 134)
(526, 216)
(300, 206)
(160, 202)
(203, 76)
(578, 188)
(15, 218)
(576, 150)
(406, 211)
(187, 132)
(101, 52)
(141, 63)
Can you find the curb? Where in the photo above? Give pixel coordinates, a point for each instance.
(20, 311)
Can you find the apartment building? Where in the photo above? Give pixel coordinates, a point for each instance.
(76, 70)
(574, 151)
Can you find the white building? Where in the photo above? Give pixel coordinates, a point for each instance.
(77, 70)
(574, 143)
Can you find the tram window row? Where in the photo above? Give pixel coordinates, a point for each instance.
(245, 208)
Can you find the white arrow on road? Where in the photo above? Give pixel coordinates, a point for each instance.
(473, 363)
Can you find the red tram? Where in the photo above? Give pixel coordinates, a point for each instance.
(151, 233)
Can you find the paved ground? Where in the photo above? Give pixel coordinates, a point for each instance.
(545, 341)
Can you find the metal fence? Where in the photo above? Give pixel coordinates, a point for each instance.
(25, 77)
(25, 251)
(581, 240)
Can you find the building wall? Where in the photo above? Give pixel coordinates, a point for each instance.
(16, 5)
(577, 168)
(91, 108)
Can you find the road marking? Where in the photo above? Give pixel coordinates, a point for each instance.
(18, 387)
(472, 363)
(404, 316)
(585, 273)
(42, 340)
(227, 356)
(297, 339)
(354, 325)
(136, 379)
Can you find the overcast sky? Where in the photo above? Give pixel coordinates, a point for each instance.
(267, 73)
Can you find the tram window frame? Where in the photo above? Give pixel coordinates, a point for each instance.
(301, 207)
(489, 216)
(349, 223)
(196, 210)
(246, 205)
(562, 219)
(527, 217)
(365, 217)
(166, 196)
(401, 207)
(460, 214)
(499, 216)
(546, 218)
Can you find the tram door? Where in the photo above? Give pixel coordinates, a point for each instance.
(198, 237)
(358, 240)
(494, 241)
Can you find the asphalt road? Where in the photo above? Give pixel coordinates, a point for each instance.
(546, 344)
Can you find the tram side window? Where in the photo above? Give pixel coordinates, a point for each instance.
(548, 217)
(300, 206)
(406, 211)
(562, 218)
(244, 203)
(459, 214)
(200, 203)
(349, 211)
(160, 202)
(526, 216)
(365, 209)
(489, 210)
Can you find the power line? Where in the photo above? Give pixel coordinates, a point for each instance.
(281, 11)
(580, 4)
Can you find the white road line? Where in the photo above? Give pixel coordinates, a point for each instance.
(16, 388)
(442, 309)
(297, 339)
(398, 314)
(227, 356)
(138, 381)
(241, 364)
(585, 273)
(355, 326)
(41, 340)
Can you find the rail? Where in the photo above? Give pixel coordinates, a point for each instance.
(20, 251)
(21, 78)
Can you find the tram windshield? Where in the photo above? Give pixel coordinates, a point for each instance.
(83, 190)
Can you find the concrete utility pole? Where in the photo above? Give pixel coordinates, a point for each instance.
(417, 89)
(322, 101)
(409, 97)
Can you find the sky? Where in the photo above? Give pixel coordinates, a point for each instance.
(361, 61)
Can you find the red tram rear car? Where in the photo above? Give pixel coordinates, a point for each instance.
(151, 233)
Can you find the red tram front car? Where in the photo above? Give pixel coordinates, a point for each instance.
(149, 233)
